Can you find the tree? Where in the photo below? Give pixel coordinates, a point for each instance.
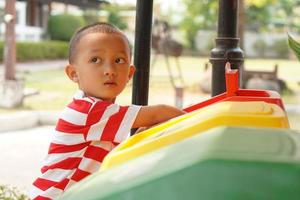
(287, 14)
(61, 27)
(114, 16)
(90, 16)
(198, 15)
(11, 89)
(10, 40)
(259, 13)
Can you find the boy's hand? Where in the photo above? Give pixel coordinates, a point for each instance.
(153, 115)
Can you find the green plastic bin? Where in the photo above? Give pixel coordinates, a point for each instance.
(222, 163)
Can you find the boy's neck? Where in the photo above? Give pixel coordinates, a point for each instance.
(111, 101)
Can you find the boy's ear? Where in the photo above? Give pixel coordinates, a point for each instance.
(71, 73)
(131, 71)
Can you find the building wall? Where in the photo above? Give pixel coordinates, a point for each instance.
(205, 42)
(23, 32)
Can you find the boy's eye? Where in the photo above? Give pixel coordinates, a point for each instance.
(120, 60)
(96, 60)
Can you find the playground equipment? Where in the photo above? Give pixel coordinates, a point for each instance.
(217, 145)
(264, 109)
(221, 163)
(236, 145)
(241, 114)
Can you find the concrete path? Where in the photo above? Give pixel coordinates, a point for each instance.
(22, 154)
(22, 120)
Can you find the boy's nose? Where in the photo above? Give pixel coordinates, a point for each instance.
(109, 70)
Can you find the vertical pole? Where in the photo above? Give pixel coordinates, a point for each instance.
(40, 14)
(143, 24)
(10, 41)
(241, 22)
(31, 12)
(227, 48)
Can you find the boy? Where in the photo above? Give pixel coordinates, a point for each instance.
(92, 124)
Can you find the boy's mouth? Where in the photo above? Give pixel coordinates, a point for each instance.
(110, 83)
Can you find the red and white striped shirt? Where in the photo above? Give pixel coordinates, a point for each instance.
(87, 130)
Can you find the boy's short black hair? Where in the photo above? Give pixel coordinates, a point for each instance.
(99, 27)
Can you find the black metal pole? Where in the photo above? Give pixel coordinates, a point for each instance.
(227, 48)
(143, 24)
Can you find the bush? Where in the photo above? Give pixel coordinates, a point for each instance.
(91, 16)
(27, 51)
(280, 48)
(115, 18)
(11, 193)
(62, 27)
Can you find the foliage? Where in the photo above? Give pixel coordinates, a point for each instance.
(199, 15)
(11, 193)
(259, 3)
(114, 16)
(28, 51)
(91, 16)
(61, 27)
(258, 13)
(294, 45)
(267, 14)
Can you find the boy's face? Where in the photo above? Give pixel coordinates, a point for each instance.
(102, 65)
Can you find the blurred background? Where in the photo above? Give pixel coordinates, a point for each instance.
(34, 88)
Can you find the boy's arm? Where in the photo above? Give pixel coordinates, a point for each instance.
(151, 115)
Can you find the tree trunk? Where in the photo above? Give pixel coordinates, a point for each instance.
(11, 89)
(10, 41)
(31, 12)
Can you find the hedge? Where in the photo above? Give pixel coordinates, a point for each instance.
(61, 27)
(29, 51)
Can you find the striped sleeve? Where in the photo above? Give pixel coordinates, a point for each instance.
(110, 122)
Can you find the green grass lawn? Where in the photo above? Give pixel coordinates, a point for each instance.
(56, 90)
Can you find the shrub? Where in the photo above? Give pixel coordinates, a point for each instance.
(91, 16)
(11, 193)
(27, 51)
(62, 27)
(115, 18)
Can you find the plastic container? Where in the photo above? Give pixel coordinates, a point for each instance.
(222, 163)
(258, 114)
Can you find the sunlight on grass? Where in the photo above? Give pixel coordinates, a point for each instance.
(56, 90)
(54, 87)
